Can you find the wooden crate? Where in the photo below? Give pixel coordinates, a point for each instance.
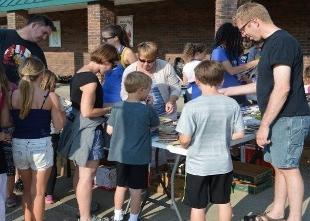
(251, 173)
(252, 188)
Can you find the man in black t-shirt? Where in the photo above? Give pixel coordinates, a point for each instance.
(282, 102)
(16, 45)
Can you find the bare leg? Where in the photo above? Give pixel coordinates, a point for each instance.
(84, 188)
(119, 197)
(280, 195)
(198, 214)
(10, 186)
(225, 212)
(135, 202)
(26, 176)
(38, 187)
(295, 190)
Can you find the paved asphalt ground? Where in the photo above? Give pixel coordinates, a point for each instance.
(65, 208)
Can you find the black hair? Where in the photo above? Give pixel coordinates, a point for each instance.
(42, 19)
(230, 36)
(117, 30)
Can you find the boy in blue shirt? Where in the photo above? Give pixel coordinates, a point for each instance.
(206, 126)
(130, 124)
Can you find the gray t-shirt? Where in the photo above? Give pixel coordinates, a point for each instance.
(210, 121)
(131, 139)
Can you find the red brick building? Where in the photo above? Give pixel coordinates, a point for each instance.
(170, 23)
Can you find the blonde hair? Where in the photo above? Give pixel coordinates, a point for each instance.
(48, 80)
(148, 49)
(252, 10)
(210, 73)
(29, 71)
(136, 80)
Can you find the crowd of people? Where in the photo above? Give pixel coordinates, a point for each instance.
(117, 98)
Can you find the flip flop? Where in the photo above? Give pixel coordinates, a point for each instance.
(265, 217)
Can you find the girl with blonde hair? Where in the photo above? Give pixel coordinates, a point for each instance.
(33, 109)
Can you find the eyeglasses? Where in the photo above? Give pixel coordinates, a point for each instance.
(243, 27)
(107, 38)
(147, 61)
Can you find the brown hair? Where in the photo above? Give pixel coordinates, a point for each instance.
(190, 49)
(48, 80)
(104, 53)
(136, 80)
(148, 49)
(252, 10)
(210, 73)
(307, 75)
(4, 83)
(29, 71)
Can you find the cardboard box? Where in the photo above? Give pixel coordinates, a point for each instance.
(251, 173)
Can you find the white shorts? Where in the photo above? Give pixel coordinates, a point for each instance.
(36, 154)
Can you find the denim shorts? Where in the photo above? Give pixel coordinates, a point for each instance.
(97, 151)
(287, 137)
(36, 154)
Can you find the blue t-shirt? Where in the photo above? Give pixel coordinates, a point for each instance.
(112, 84)
(219, 54)
(131, 138)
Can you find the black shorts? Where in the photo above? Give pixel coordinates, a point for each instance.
(132, 176)
(201, 190)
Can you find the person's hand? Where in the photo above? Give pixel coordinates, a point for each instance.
(223, 91)
(149, 99)
(262, 136)
(5, 137)
(170, 106)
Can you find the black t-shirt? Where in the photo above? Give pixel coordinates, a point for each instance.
(80, 79)
(282, 49)
(14, 49)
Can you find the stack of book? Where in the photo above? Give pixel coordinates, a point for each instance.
(251, 178)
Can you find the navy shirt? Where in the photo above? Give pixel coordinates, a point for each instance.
(131, 138)
(14, 50)
(282, 49)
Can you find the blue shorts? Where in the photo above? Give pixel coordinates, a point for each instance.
(96, 152)
(287, 137)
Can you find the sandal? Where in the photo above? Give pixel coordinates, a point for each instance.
(265, 217)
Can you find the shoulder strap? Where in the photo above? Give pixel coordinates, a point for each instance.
(45, 97)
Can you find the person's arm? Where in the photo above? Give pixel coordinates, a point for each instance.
(239, 90)
(175, 89)
(185, 80)
(129, 56)
(185, 140)
(57, 112)
(240, 68)
(238, 128)
(278, 97)
(88, 102)
(123, 93)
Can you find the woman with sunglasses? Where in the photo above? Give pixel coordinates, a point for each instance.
(166, 88)
(115, 35)
(227, 50)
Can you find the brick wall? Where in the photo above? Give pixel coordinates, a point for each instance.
(172, 23)
(67, 59)
(3, 21)
(294, 17)
(224, 11)
(17, 19)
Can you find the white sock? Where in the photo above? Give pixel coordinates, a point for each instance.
(133, 217)
(118, 214)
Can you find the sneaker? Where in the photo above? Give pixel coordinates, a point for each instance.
(19, 187)
(95, 218)
(11, 201)
(49, 199)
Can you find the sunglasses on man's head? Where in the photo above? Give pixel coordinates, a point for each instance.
(147, 61)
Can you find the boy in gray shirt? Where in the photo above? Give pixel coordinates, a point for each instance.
(206, 126)
(131, 122)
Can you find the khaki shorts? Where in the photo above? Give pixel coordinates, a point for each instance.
(36, 154)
